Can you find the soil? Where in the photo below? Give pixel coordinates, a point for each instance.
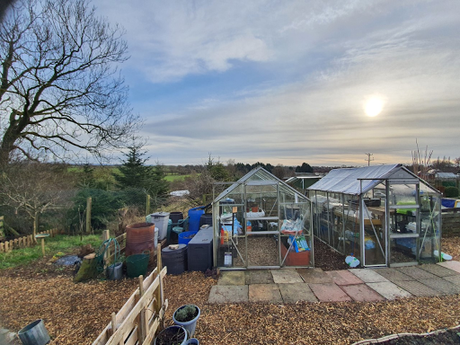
(77, 313)
(170, 336)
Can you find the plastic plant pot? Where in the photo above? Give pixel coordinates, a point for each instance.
(189, 323)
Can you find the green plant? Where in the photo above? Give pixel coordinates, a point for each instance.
(451, 192)
(186, 313)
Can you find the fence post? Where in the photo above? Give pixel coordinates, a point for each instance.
(159, 291)
(88, 214)
(142, 323)
(147, 205)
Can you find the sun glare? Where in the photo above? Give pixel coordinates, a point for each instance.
(373, 106)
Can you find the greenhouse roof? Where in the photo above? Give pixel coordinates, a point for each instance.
(258, 176)
(348, 181)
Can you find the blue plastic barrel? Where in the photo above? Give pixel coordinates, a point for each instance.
(185, 237)
(194, 215)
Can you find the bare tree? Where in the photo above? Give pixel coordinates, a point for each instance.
(60, 87)
(421, 161)
(33, 188)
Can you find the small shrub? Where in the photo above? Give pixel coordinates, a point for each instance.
(451, 192)
(186, 313)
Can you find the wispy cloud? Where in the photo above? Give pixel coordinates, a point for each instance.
(286, 81)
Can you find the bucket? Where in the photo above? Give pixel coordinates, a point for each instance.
(170, 334)
(137, 265)
(185, 237)
(34, 333)
(115, 271)
(194, 215)
(206, 218)
(175, 259)
(176, 216)
(160, 219)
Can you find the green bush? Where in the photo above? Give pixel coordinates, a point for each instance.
(104, 207)
(451, 192)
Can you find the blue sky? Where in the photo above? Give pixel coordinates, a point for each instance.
(286, 82)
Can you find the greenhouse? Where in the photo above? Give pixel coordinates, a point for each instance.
(261, 222)
(382, 215)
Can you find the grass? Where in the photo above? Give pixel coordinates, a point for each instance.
(175, 177)
(53, 246)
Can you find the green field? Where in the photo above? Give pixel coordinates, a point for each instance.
(175, 177)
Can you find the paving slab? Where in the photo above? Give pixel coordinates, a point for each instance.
(416, 288)
(268, 293)
(443, 286)
(259, 277)
(393, 274)
(389, 290)
(416, 273)
(314, 275)
(229, 294)
(453, 279)
(329, 292)
(296, 292)
(362, 293)
(438, 270)
(343, 277)
(452, 265)
(286, 276)
(232, 278)
(368, 275)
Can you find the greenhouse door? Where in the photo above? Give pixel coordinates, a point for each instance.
(404, 223)
(263, 243)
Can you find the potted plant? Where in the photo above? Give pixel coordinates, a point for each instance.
(187, 316)
(172, 335)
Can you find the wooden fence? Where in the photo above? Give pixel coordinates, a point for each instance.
(23, 242)
(451, 222)
(141, 316)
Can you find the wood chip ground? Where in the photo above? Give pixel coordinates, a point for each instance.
(77, 313)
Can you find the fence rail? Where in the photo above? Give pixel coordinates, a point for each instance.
(23, 242)
(141, 316)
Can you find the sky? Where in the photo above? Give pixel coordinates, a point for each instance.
(287, 82)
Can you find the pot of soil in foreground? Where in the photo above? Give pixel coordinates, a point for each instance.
(172, 335)
(187, 316)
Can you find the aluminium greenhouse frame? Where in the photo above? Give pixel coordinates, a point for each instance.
(383, 215)
(260, 222)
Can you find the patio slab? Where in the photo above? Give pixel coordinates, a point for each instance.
(392, 274)
(443, 286)
(439, 271)
(389, 290)
(259, 277)
(416, 288)
(362, 293)
(232, 278)
(453, 279)
(268, 293)
(314, 275)
(286, 276)
(296, 292)
(343, 277)
(416, 273)
(452, 265)
(329, 292)
(368, 275)
(228, 294)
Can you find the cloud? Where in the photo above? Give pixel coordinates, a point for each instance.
(285, 82)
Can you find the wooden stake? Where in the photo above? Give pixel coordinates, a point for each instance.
(142, 324)
(89, 202)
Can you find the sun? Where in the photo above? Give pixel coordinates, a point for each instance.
(373, 106)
